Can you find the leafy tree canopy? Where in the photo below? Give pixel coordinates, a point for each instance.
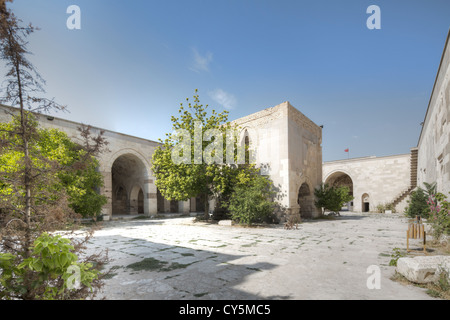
(194, 176)
(80, 182)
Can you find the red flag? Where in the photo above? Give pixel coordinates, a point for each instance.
(346, 150)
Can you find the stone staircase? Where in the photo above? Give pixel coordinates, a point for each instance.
(414, 155)
(402, 196)
(413, 178)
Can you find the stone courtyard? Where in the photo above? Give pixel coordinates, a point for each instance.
(177, 258)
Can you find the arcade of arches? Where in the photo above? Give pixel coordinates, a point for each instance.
(129, 183)
(283, 139)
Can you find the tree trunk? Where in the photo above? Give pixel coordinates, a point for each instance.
(27, 173)
(27, 183)
(206, 207)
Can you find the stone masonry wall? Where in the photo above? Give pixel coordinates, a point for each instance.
(434, 141)
(383, 179)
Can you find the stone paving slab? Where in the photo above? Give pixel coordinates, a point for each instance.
(323, 259)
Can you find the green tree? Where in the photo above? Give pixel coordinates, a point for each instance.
(332, 198)
(192, 175)
(80, 184)
(32, 199)
(417, 204)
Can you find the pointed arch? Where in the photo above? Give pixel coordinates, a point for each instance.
(365, 202)
(129, 174)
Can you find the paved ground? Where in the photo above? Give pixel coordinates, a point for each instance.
(323, 259)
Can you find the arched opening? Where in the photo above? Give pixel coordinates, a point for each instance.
(128, 173)
(244, 149)
(173, 206)
(306, 201)
(341, 179)
(141, 201)
(365, 203)
(247, 147)
(136, 200)
(165, 206)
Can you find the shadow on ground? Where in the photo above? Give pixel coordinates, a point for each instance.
(147, 269)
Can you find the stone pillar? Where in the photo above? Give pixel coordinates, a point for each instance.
(150, 198)
(184, 206)
(293, 210)
(106, 190)
(357, 199)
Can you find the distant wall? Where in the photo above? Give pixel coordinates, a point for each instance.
(375, 180)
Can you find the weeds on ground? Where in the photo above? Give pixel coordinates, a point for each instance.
(439, 289)
(395, 255)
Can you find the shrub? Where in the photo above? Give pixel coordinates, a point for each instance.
(439, 217)
(52, 269)
(380, 208)
(251, 202)
(390, 206)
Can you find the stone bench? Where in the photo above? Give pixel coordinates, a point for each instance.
(423, 269)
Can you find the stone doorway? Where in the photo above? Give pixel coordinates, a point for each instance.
(365, 205)
(305, 201)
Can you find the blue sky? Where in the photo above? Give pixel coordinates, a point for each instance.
(132, 62)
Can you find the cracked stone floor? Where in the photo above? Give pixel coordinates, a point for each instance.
(177, 258)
